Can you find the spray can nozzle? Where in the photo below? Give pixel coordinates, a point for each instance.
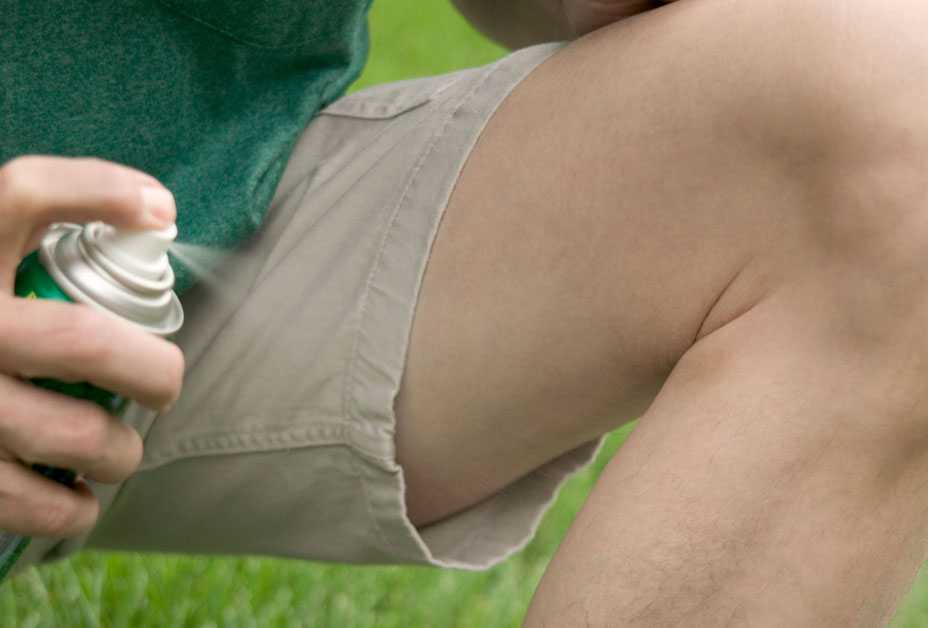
(140, 254)
(125, 272)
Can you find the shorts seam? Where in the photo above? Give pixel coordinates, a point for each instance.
(336, 432)
(351, 380)
(369, 505)
(266, 439)
(309, 186)
(358, 416)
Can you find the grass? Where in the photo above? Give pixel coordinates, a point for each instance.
(124, 590)
(410, 38)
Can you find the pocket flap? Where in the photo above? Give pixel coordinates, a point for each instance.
(389, 100)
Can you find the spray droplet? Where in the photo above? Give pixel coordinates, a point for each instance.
(204, 262)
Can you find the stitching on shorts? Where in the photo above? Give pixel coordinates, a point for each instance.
(351, 378)
(195, 442)
(378, 137)
(263, 440)
(356, 105)
(369, 506)
(265, 268)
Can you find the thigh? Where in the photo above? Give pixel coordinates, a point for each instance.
(610, 201)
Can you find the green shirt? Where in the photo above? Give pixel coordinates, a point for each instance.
(209, 96)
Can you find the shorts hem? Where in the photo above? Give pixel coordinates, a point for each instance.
(488, 533)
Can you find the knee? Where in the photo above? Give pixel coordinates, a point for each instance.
(820, 81)
(838, 93)
(791, 74)
(829, 97)
(854, 129)
(834, 94)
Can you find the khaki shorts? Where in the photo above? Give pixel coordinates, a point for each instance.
(282, 443)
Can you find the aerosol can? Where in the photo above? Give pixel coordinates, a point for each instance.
(125, 273)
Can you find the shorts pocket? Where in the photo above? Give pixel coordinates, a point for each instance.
(392, 99)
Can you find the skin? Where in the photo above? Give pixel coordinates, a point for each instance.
(74, 343)
(519, 23)
(674, 220)
(71, 343)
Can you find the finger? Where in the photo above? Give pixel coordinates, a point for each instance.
(41, 427)
(35, 506)
(75, 343)
(39, 190)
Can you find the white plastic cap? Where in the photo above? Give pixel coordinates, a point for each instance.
(141, 253)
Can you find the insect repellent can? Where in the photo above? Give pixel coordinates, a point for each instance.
(123, 273)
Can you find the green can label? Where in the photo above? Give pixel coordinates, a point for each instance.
(34, 282)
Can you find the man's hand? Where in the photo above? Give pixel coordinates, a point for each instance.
(71, 343)
(585, 16)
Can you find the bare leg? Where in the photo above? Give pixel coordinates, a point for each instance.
(733, 192)
(768, 485)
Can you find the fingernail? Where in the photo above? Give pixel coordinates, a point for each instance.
(158, 204)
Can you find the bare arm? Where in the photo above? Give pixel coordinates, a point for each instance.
(517, 23)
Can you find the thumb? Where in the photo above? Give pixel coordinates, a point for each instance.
(36, 191)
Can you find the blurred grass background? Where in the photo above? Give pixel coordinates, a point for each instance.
(410, 38)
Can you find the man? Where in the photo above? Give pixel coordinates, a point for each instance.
(711, 215)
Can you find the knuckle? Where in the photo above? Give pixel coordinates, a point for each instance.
(86, 434)
(83, 321)
(176, 367)
(34, 447)
(121, 195)
(136, 451)
(9, 322)
(16, 185)
(11, 326)
(8, 426)
(59, 517)
(83, 340)
(118, 461)
(170, 385)
(31, 441)
(117, 189)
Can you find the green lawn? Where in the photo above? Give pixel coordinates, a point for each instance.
(410, 38)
